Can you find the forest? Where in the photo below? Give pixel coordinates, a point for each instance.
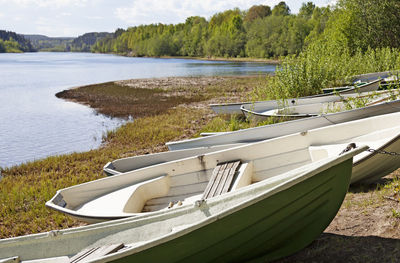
(259, 32)
(81, 43)
(85, 42)
(318, 46)
(13, 42)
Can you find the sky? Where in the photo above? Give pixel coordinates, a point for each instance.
(71, 18)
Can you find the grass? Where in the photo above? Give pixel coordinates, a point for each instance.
(25, 188)
(119, 101)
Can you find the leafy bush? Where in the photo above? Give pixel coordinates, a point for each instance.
(324, 65)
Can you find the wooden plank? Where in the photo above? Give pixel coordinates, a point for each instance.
(81, 255)
(210, 183)
(221, 179)
(218, 180)
(229, 181)
(224, 177)
(96, 252)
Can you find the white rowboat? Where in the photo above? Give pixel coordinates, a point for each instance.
(263, 221)
(261, 112)
(288, 127)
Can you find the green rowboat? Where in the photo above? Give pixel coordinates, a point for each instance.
(263, 221)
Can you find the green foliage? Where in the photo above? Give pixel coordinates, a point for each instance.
(86, 41)
(82, 43)
(281, 9)
(306, 10)
(257, 11)
(258, 32)
(328, 64)
(2, 47)
(14, 43)
(12, 46)
(371, 23)
(52, 44)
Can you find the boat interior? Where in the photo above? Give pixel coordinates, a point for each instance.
(199, 180)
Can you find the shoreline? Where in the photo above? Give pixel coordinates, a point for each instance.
(164, 92)
(243, 59)
(251, 60)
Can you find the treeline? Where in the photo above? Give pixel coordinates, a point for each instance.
(360, 36)
(85, 42)
(261, 32)
(13, 42)
(82, 43)
(52, 44)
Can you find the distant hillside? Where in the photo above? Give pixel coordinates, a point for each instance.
(13, 42)
(85, 42)
(45, 43)
(82, 43)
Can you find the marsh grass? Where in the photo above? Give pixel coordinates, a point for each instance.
(119, 101)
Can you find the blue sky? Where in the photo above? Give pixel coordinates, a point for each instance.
(58, 18)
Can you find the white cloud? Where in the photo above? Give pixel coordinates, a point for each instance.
(95, 17)
(45, 3)
(175, 11)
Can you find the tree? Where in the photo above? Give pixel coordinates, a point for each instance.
(318, 22)
(2, 47)
(306, 10)
(369, 23)
(281, 9)
(227, 35)
(257, 11)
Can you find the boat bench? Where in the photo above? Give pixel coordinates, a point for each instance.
(226, 177)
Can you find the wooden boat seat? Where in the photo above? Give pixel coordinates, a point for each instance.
(226, 177)
(95, 252)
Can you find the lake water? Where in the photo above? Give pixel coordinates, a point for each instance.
(35, 124)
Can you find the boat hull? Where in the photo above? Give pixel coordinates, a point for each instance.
(267, 230)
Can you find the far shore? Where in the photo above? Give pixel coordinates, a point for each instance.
(244, 59)
(228, 59)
